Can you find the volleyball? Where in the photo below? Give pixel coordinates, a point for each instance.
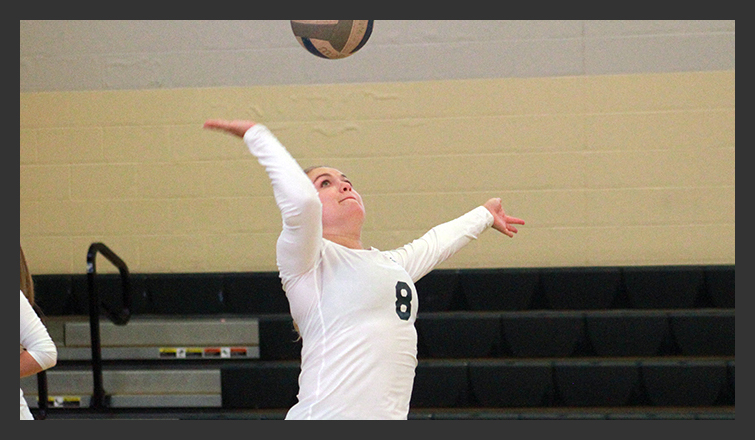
(332, 39)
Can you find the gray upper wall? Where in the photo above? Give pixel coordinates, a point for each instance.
(117, 55)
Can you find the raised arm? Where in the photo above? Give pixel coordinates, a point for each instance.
(296, 197)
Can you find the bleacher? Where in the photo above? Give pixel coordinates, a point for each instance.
(535, 343)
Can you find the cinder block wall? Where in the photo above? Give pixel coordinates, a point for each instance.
(630, 169)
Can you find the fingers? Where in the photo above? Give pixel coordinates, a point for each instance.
(509, 230)
(216, 123)
(501, 221)
(236, 127)
(506, 225)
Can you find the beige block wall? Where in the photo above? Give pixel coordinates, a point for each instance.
(606, 170)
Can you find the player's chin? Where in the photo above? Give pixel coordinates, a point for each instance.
(357, 206)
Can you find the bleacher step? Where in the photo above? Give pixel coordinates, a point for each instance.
(153, 353)
(131, 388)
(173, 332)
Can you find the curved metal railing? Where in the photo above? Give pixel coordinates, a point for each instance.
(119, 317)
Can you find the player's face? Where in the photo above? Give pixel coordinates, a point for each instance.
(338, 196)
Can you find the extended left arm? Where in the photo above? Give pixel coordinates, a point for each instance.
(421, 255)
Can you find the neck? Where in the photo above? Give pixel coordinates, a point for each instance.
(349, 241)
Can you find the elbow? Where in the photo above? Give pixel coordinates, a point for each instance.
(307, 206)
(311, 205)
(51, 358)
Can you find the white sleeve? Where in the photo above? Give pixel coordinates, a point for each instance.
(421, 255)
(301, 238)
(34, 336)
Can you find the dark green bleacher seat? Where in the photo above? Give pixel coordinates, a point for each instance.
(719, 281)
(458, 335)
(185, 294)
(599, 383)
(278, 339)
(499, 289)
(664, 287)
(439, 291)
(581, 288)
(544, 333)
(260, 385)
(684, 382)
(511, 383)
(703, 332)
(254, 293)
(627, 332)
(440, 384)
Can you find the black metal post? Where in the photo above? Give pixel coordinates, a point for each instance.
(42, 395)
(98, 395)
(99, 398)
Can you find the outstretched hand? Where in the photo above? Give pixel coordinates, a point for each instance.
(235, 127)
(502, 222)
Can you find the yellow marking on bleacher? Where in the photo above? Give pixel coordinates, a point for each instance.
(64, 401)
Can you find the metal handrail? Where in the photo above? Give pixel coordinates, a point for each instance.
(121, 317)
(42, 394)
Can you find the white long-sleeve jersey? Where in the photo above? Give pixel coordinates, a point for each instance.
(37, 342)
(355, 309)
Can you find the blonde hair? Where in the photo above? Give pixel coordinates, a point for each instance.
(308, 169)
(27, 284)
